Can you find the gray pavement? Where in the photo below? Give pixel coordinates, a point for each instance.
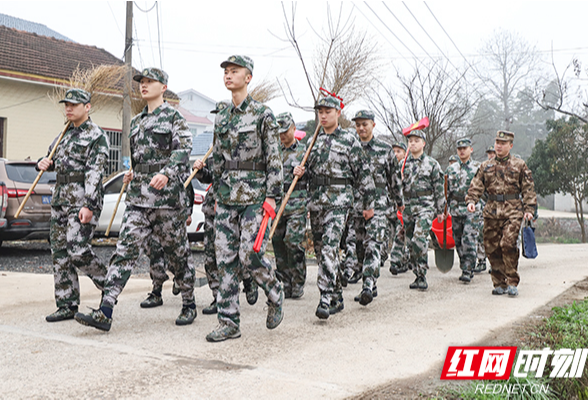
(401, 334)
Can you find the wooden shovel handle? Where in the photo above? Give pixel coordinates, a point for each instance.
(24, 201)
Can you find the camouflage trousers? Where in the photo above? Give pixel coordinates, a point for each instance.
(236, 228)
(71, 248)
(500, 241)
(398, 252)
(327, 228)
(140, 226)
(353, 247)
(210, 266)
(480, 250)
(289, 250)
(159, 264)
(417, 228)
(465, 234)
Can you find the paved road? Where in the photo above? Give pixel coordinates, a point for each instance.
(402, 334)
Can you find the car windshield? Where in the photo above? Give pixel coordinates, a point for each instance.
(197, 185)
(26, 173)
(114, 185)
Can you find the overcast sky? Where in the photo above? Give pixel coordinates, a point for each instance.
(196, 37)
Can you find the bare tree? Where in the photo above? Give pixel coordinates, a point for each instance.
(556, 95)
(510, 62)
(346, 60)
(434, 91)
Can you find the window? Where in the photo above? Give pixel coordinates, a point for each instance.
(114, 137)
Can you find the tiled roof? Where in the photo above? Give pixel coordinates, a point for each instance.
(36, 57)
(32, 27)
(32, 57)
(194, 118)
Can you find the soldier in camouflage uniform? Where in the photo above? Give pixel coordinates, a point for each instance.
(374, 232)
(465, 224)
(422, 188)
(291, 229)
(157, 262)
(160, 146)
(398, 251)
(76, 203)
(511, 197)
(336, 164)
(452, 159)
(480, 251)
(247, 171)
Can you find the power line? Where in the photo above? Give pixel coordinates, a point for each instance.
(140, 9)
(115, 21)
(149, 32)
(138, 47)
(158, 35)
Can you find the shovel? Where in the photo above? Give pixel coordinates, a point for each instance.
(444, 254)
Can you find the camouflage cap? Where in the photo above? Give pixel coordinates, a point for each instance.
(490, 149)
(452, 158)
(464, 142)
(242, 61)
(400, 145)
(420, 134)
(329, 102)
(505, 136)
(364, 114)
(152, 73)
(76, 96)
(285, 121)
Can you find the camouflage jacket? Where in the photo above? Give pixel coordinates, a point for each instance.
(384, 169)
(163, 141)
(84, 149)
(205, 176)
(293, 156)
(423, 175)
(339, 155)
(459, 176)
(509, 175)
(247, 133)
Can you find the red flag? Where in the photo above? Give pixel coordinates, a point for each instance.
(417, 126)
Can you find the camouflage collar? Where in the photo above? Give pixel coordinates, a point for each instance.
(83, 126)
(370, 143)
(157, 111)
(335, 132)
(421, 158)
(241, 108)
(503, 159)
(293, 146)
(469, 161)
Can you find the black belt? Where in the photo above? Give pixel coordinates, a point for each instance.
(244, 166)
(458, 197)
(300, 185)
(381, 185)
(504, 197)
(325, 181)
(148, 168)
(415, 194)
(68, 178)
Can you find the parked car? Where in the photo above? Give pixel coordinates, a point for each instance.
(112, 188)
(33, 221)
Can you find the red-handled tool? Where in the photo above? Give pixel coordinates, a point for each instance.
(269, 213)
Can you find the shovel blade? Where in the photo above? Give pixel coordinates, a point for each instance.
(444, 259)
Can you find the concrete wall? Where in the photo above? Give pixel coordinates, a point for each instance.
(33, 120)
(565, 202)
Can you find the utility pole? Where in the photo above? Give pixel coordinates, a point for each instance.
(125, 159)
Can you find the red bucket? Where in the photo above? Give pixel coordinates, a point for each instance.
(437, 229)
(399, 215)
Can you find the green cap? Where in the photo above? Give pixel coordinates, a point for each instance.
(452, 158)
(329, 102)
(285, 121)
(465, 142)
(152, 73)
(76, 96)
(420, 134)
(364, 114)
(242, 61)
(505, 136)
(490, 149)
(400, 145)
